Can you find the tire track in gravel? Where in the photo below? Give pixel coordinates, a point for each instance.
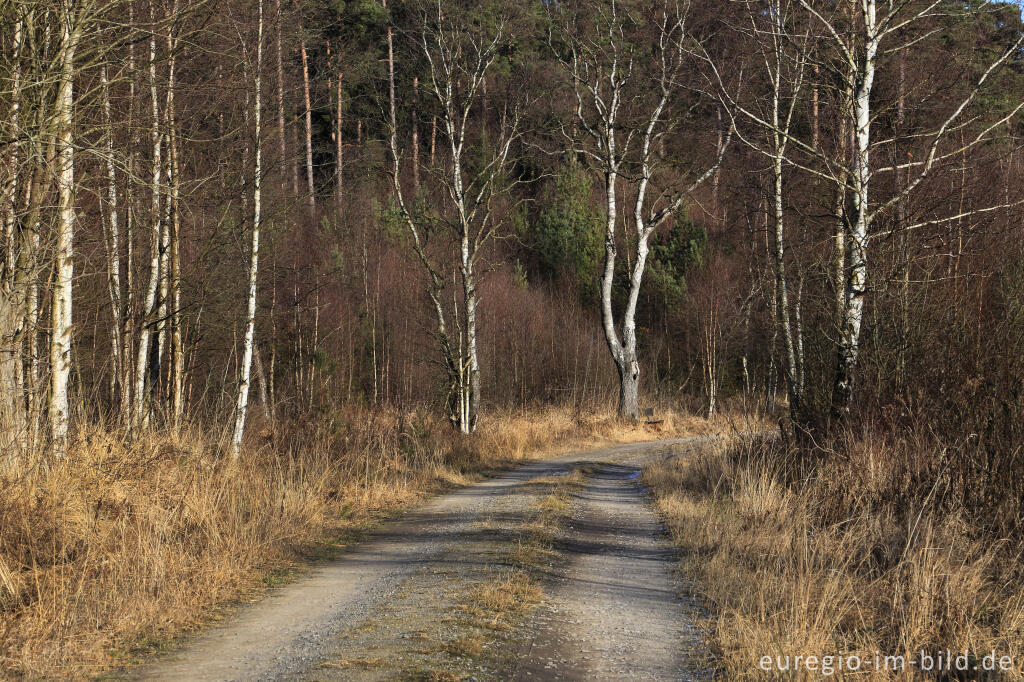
(614, 609)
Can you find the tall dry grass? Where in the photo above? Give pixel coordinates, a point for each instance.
(126, 543)
(839, 556)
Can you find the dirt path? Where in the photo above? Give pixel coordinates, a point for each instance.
(442, 593)
(614, 610)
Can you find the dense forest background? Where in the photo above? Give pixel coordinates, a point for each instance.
(163, 132)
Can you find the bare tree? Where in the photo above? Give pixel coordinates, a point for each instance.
(308, 116)
(459, 57)
(783, 52)
(70, 18)
(875, 25)
(859, 34)
(150, 307)
(622, 111)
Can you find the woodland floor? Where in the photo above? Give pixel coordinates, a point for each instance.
(558, 569)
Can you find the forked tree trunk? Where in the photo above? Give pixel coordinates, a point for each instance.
(629, 387)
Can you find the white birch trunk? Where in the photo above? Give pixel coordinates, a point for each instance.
(242, 403)
(174, 317)
(61, 335)
(603, 83)
(857, 276)
(149, 307)
(113, 247)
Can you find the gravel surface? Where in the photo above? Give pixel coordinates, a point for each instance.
(613, 609)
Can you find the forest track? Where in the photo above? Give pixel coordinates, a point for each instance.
(398, 605)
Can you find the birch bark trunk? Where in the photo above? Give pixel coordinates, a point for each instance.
(172, 296)
(142, 397)
(113, 243)
(857, 276)
(603, 84)
(242, 403)
(61, 335)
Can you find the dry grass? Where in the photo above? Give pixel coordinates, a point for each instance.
(826, 561)
(127, 543)
(364, 663)
(468, 645)
(503, 600)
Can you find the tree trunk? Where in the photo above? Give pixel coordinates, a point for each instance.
(257, 203)
(311, 200)
(782, 287)
(150, 306)
(856, 281)
(128, 311)
(283, 146)
(415, 137)
(629, 386)
(471, 361)
(339, 146)
(12, 292)
(60, 338)
(113, 243)
(172, 296)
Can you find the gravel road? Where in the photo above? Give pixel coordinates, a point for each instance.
(612, 607)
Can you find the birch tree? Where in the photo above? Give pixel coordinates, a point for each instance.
(64, 269)
(783, 60)
(459, 55)
(150, 307)
(859, 35)
(242, 403)
(880, 28)
(623, 109)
